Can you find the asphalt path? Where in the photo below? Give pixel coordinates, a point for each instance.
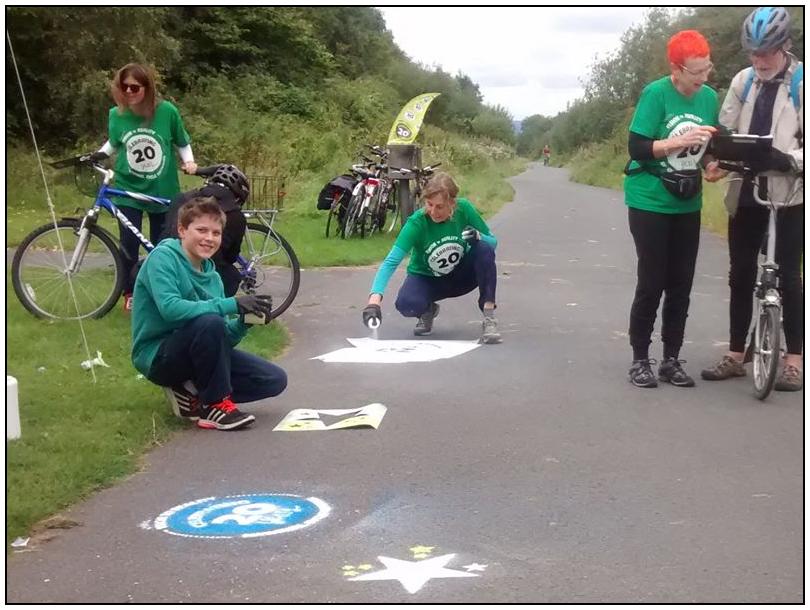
(530, 471)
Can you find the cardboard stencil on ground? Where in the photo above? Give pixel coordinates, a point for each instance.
(386, 351)
(369, 416)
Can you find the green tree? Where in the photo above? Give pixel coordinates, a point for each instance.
(67, 57)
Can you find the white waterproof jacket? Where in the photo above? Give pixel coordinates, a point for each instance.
(787, 129)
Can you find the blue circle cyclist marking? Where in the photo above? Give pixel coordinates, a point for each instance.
(242, 516)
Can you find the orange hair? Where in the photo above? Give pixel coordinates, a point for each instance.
(686, 44)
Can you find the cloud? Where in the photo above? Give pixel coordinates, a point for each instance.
(498, 76)
(592, 20)
(527, 59)
(564, 80)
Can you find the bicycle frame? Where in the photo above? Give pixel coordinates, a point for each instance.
(104, 202)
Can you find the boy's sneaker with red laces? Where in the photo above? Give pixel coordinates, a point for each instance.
(184, 402)
(127, 303)
(223, 416)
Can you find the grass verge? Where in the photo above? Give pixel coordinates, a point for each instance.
(79, 436)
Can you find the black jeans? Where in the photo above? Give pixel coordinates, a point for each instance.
(746, 231)
(476, 270)
(667, 246)
(201, 352)
(130, 244)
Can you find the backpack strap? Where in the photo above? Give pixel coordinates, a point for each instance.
(749, 80)
(795, 84)
(793, 93)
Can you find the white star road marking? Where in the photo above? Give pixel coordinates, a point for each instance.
(475, 567)
(414, 574)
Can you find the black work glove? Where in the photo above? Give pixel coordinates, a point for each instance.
(470, 235)
(98, 156)
(779, 161)
(260, 304)
(372, 312)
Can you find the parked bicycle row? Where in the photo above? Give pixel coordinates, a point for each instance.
(373, 196)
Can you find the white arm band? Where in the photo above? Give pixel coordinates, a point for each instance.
(185, 154)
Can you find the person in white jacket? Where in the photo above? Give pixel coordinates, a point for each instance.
(767, 99)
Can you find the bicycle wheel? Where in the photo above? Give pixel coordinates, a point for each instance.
(333, 220)
(371, 215)
(273, 267)
(392, 209)
(40, 277)
(767, 335)
(353, 213)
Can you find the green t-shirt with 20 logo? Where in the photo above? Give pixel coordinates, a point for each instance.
(146, 159)
(663, 112)
(437, 247)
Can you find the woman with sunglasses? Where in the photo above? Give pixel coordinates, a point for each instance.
(671, 128)
(144, 130)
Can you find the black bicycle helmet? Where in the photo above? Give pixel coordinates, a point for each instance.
(232, 177)
(766, 29)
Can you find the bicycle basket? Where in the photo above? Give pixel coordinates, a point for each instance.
(266, 192)
(87, 180)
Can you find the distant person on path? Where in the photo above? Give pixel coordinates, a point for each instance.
(181, 332)
(546, 155)
(767, 108)
(452, 252)
(144, 130)
(673, 122)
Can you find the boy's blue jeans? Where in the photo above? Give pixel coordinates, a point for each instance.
(476, 269)
(201, 352)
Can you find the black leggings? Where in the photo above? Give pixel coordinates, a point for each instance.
(130, 244)
(667, 246)
(746, 231)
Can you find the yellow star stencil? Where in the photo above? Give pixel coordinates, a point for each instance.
(420, 552)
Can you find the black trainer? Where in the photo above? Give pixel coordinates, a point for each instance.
(672, 371)
(223, 416)
(641, 374)
(184, 402)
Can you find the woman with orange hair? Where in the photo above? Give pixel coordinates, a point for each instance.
(671, 128)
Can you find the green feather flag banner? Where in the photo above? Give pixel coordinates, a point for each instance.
(409, 120)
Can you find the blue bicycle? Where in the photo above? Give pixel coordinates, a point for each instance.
(42, 275)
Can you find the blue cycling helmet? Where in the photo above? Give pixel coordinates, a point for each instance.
(766, 29)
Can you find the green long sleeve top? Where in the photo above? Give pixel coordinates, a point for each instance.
(169, 292)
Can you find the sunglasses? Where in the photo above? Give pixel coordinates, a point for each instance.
(129, 88)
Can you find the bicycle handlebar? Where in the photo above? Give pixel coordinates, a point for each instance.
(741, 168)
(425, 171)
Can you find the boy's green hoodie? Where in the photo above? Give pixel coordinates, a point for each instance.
(169, 292)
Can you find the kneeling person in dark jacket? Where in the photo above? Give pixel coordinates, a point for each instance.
(182, 335)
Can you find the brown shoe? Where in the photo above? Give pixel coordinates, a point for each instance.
(727, 367)
(790, 380)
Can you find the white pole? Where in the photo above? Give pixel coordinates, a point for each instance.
(12, 409)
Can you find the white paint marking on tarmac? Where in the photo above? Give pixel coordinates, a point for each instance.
(413, 575)
(372, 351)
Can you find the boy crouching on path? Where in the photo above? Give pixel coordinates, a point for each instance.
(181, 332)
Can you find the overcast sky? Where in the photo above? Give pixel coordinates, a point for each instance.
(527, 59)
